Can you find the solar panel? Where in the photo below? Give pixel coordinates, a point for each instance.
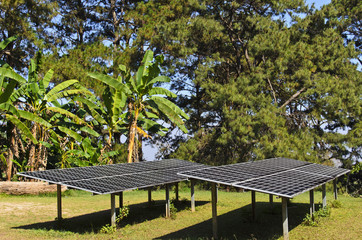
(286, 184)
(324, 170)
(117, 177)
(279, 176)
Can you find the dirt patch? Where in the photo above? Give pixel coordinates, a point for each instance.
(20, 188)
(23, 207)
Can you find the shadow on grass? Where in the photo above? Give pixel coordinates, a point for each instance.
(93, 222)
(237, 224)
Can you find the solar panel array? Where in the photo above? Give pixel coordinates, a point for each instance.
(115, 178)
(279, 176)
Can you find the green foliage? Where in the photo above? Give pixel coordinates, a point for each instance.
(336, 204)
(173, 211)
(124, 212)
(315, 219)
(258, 79)
(271, 89)
(28, 21)
(354, 183)
(144, 105)
(108, 229)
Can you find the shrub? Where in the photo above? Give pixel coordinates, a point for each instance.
(313, 221)
(107, 229)
(173, 211)
(123, 213)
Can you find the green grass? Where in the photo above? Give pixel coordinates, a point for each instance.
(32, 217)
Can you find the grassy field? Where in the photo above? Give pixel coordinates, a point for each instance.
(32, 217)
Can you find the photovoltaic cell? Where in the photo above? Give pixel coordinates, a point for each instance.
(324, 170)
(279, 176)
(117, 177)
(286, 184)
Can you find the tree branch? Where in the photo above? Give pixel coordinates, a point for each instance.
(293, 97)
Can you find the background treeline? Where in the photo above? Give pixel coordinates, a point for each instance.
(258, 79)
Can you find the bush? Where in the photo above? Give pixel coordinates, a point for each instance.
(173, 211)
(123, 213)
(107, 229)
(313, 221)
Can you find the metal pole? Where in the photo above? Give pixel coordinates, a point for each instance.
(285, 218)
(176, 191)
(120, 201)
(311, 206)
(192, 195)
(168, 212)
(335, 189)
(324, 196)
(271, 199)
(214, 209)
(149, 196)
(217, 193)
(59, 202)
(113, 209)
(253, 205)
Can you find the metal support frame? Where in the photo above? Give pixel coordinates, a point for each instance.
(176, 191)
(120, 194)
(311, 206)
(217, 192)
(335, 189)
(285, 218)
(113, 209)
(168, 211)
(214, 209)
(149, 196)
(59, 202)
(192, 195)
(253, 206)
(324, 196)
(271, 199)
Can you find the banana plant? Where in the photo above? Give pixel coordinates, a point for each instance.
(9, 80)
(146, 102)
(106, 113)
(40, 104)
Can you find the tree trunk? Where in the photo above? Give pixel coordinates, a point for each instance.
(140, 152)
(131, 140)
(42, 159)
(135, 149)
(31, 162)
(12, 150)
(9, 165)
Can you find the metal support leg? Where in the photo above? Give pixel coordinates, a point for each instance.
(59, 202)
(311, 198)
(253, 205)
(271, 199)
(324, 196)
(113, 209)
(176, 191)
(217, 193)
(192, 195)
(149, 196)
(335, 189)
(285, 218)
(120, 201)
(214, 209)
(168, 211)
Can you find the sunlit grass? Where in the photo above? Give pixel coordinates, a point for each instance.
(32, 217)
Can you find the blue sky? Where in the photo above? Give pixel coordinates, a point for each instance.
(318, 3)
